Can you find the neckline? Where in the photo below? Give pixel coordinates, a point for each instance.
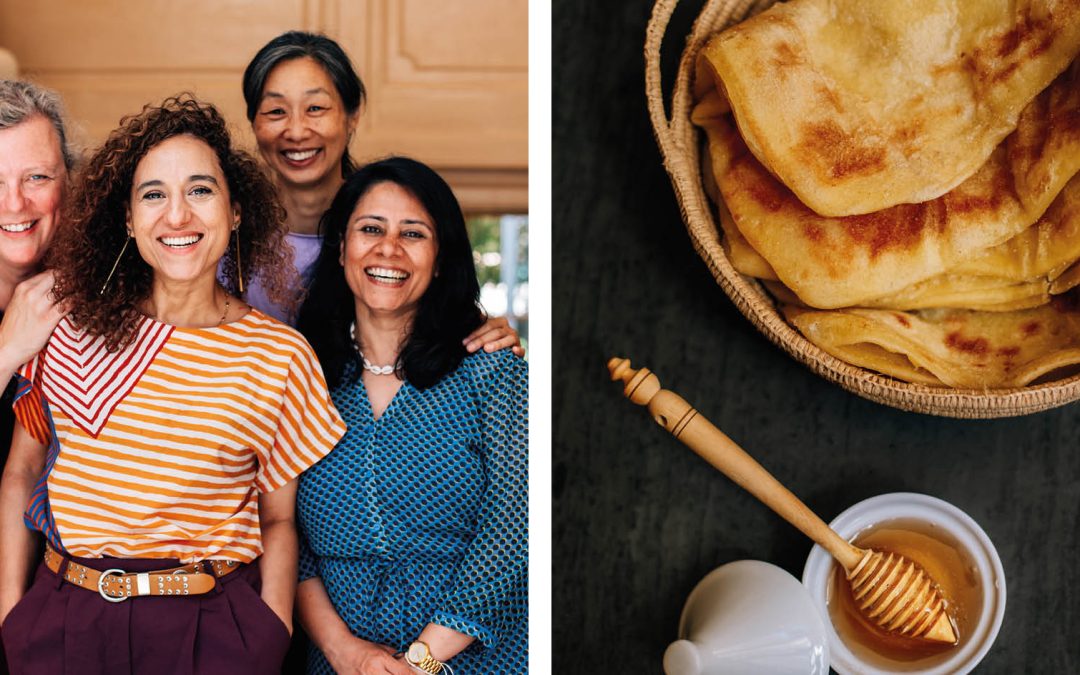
(197, 329)
(355, 371)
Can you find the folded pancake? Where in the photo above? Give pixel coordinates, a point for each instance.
(988, 294)
(1068, 280)
(1022, 272)
(742, 255)
(955, 348)
(839, 262)
(1044, 250)
(858, 106)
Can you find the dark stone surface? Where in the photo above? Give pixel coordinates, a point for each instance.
(638, 519)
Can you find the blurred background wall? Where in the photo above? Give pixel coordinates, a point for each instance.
(447, 83)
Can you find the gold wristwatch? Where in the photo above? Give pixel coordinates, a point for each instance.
(419, 655)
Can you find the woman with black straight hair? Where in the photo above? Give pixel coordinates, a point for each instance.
(448, 310)
(414, 529)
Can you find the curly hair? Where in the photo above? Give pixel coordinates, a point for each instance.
(95, 231)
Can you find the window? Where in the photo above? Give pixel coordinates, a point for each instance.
(501, 252)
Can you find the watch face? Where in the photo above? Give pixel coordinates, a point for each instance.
(418, 651)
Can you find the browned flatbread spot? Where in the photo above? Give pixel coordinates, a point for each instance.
(857, 106)
(840, 154)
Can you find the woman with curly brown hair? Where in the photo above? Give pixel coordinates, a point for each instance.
(162, 469)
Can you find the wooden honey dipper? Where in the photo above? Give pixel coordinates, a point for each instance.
(893, 592)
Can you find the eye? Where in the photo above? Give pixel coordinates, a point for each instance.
(153, 195)
(273, 112)
(314, 108)
(201, 191)
(38, 178)
(371, 229)
(414, 234)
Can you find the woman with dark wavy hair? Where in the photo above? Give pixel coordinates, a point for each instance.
(162, 428)
(414, 529)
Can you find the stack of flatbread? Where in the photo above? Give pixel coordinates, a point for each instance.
(904, 177)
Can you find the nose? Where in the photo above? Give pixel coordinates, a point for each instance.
(12, 198)
(178, 213)
(296, 128)
(390, 245)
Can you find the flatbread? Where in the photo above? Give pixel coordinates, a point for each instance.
(860, 105)
(988, 294)
(1046, 249)
(742, 255)
(1022, 272)
(955, 348)
(839, 262)
(1068, 280)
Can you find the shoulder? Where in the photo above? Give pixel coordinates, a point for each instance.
(486, 369)
(258, 322)
(260, 328)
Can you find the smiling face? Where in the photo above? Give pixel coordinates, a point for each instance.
(180, 212)
(33, 179)
(389, 251)
(301, 124)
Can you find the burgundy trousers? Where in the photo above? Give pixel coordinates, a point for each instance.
(61, 629)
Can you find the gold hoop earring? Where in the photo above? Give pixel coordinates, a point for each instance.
(239, 273)
(115, 264)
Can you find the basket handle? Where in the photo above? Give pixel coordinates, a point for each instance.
(666, 136)
(654, 37)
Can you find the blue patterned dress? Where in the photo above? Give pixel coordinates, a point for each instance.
(421, 517)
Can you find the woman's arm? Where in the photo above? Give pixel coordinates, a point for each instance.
(277, 565)
(495, 334)
(490, 585)
(346, 653)
(444, 643)
(24, 466)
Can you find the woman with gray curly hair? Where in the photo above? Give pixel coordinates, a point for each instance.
(35, 163)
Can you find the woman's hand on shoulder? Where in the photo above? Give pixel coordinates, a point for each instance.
(360, 657)
(495, 334)
(29, 320)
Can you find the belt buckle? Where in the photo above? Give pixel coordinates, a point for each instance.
(101, 585)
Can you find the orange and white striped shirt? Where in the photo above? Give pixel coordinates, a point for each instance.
(165, 445)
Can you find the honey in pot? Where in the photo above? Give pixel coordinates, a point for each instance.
(947, 563)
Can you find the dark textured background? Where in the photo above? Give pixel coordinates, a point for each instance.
(638, 519)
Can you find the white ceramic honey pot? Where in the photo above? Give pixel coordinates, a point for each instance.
(749, 617)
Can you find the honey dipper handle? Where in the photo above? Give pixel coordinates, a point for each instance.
(672, 412)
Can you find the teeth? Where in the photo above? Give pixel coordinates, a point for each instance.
(17, 227)
(299, 156)
(179, 242)
(383, 273)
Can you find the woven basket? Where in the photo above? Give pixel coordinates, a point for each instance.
(679, 145)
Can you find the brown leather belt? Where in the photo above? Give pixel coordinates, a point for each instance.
(116, 585)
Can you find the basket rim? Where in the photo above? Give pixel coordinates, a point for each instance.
(678, 142)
